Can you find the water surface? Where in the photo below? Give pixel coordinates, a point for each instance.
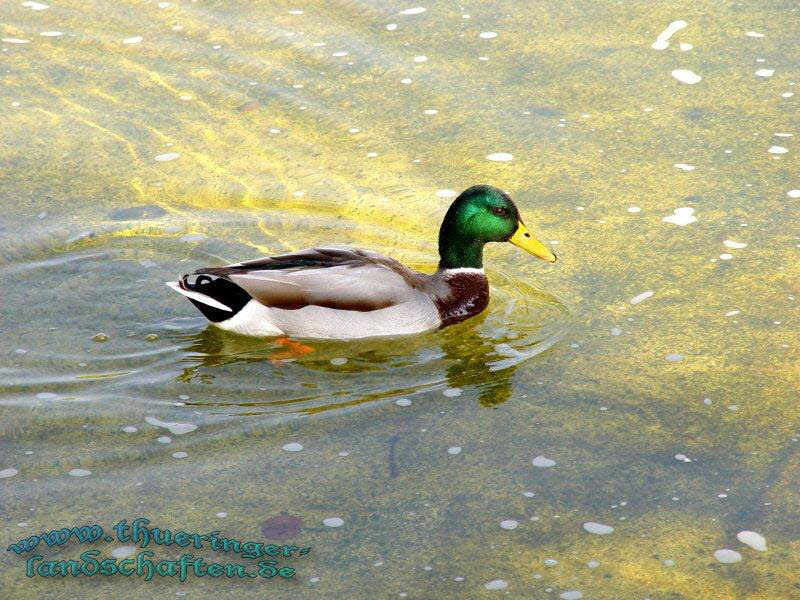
(654, 367)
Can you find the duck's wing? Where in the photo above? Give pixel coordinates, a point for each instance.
(342, 278)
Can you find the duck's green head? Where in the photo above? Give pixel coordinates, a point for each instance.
(483, 214)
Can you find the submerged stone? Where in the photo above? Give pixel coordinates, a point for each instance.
(543, 462)
(598, 528)
(496, 584)
(755, 540)
(281, 527)
(727, 556)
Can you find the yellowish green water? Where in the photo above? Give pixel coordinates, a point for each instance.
(298, 123)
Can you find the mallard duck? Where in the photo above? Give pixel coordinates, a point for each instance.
(340, 292)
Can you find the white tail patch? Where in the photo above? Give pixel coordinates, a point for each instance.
(198, 296)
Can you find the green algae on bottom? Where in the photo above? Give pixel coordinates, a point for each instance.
(287, 126)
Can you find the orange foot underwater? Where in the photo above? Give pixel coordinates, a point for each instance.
(293, 351)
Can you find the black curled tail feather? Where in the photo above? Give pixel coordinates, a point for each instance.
(220, 289)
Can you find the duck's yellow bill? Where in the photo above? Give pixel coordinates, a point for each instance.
(524, 239)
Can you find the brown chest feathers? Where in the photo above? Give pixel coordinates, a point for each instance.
(466, 295)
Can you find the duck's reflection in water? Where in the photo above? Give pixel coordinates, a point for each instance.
(255, 376)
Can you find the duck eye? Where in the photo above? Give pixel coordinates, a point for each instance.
(202, 280)
(500, 211)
